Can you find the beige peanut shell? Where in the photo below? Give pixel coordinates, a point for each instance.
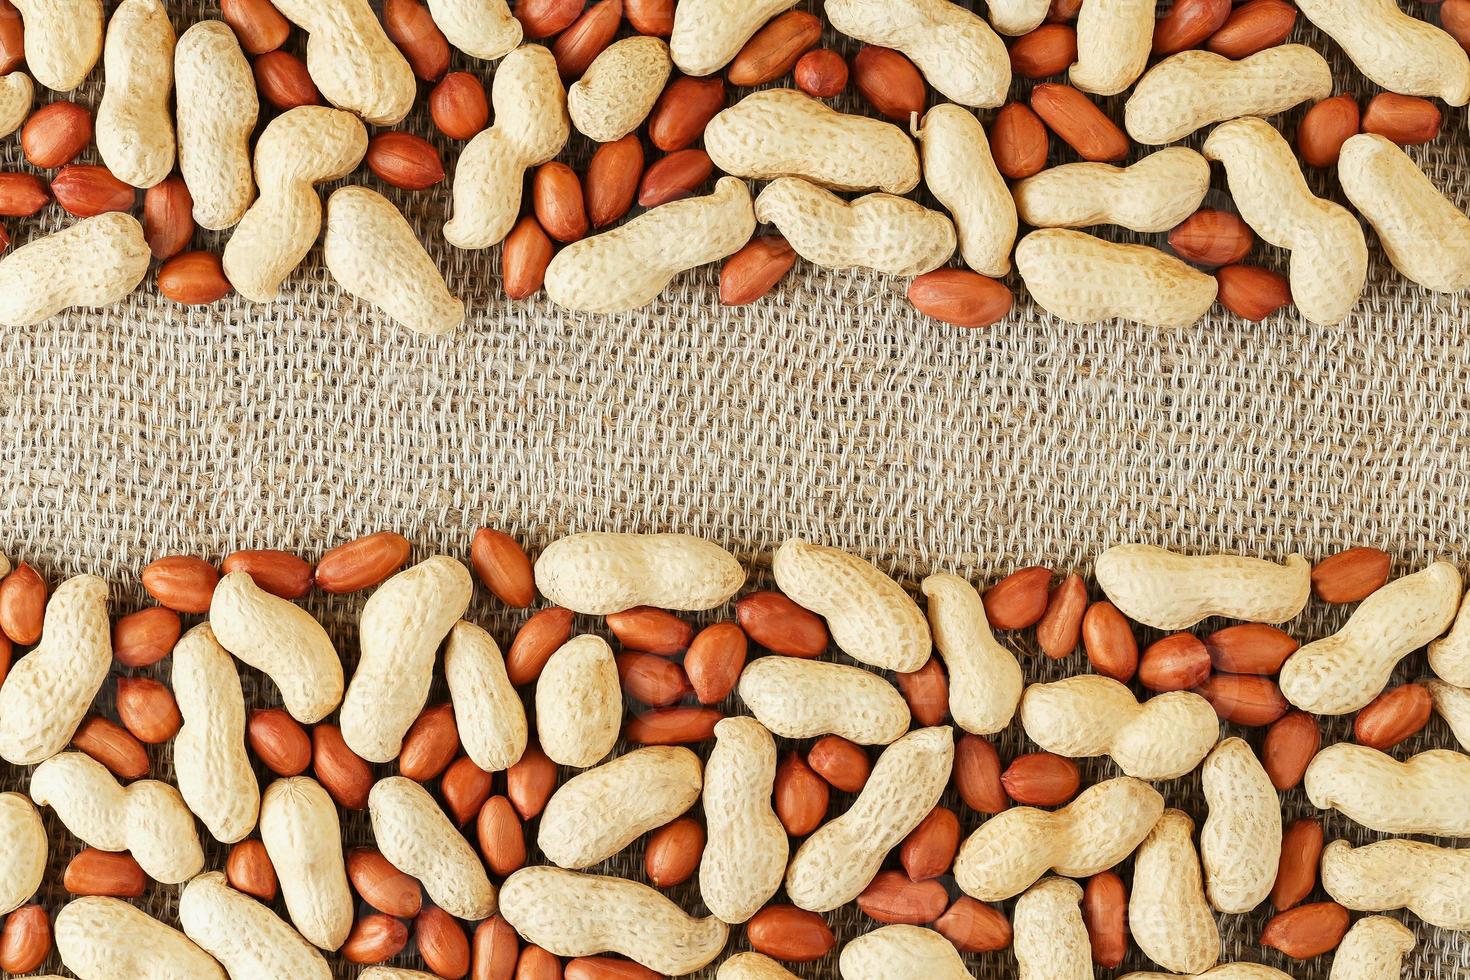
(301, 833)
(134, 127)
(1152, 195)
(985, 678)
(1449, 656)
(244, 935)
(1168, 916)
(1113, 41)
(1421, 795)
(1171, 591)
(798, 698)
(600, 573)
(1453, 705)
(211, 766)
(63, 40)
(1050, 938)
(418, 839)
(709, 33)
(351, 59)
(487, 709)
(619, 88)
(1373, 949)
(23, 850)
(108, 258)
(753, 966)
(480, 28)
(1430, 881)
(961, 174)
(100, 937)
(217, 107)
(1225, 971)
(17, 95)
(579, 703)
(746, 848)
(898, 952)
(1017, 17)
(1240, 842)
(1396, 50)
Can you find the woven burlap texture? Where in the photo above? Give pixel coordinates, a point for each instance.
(829, 410)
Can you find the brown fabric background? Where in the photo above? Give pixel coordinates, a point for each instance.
(829, 410)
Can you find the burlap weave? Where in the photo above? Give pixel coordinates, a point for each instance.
(829, 409)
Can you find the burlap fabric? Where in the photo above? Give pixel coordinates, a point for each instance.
(829, 410)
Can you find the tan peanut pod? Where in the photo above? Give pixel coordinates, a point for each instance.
(597, 813)
(568, 913)
(1407, 210)
(961, 174)
(709, 33)
(951, 45)
(1225, 971)
(1398, 51)
(619, 88)
(17, 95)
(281, 640)
(1082, 279)
(1013, 849)
(1017, 17)
(400, 630)
(480, 28)
(753, 966)
(531, 127)
(984, 677)
(1449, 656)
(1453, 705)
(1050, 937)
(745, 855)
(1152, 195)
(629, 266)
(487, 710)
(249, 940)
(1168, 916)
(898, 952)
(63, 40)
(4, 561)
(147, 817)
(100, 937)
(48, 691)
(1329, 255)
(1343, 672)
(1113, 42)
(881, 232)
(217, 108)
(345, 36)
(134, 128)
(579, 703)
(1373, 949)
(1090, 715)
(1170, 591)
(842, 857)
(781, 132)
(871, 617)
(1193, 89)
(600, 573)
(394, 972)
(299, 827)
(375, 255)
(1421, 795)
(797, 698)
(418, 839)
(1240, 842)
(1432, 882)
(300, 148)
(109, 255)
(210, 763)
(23, 850)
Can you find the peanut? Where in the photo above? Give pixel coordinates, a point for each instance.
(345, 35)
(1240, 842)
(653, 786)
(579, 703)
(955, 49)
(745, 856)
(210, 764)
(1432, 882)
(960, 172)
(1113, 42)
(1154, 194)
(135, 131)
(1174, 592)
(1395, 50)
(299, 827)
(1453, 705)
(489, 713)
(480, 28)
(1416, 796)
(1167, 912)
(1050, 937)
(797, 698)
(105, 937)
(17, 95)
(23, 850)
(601, 573)
(707, 34)
(985, 678)
(418, 839)
(245, 936)
(896, 951)
(112, 249)
(1373, 948)
(619, 88)
(63, 40)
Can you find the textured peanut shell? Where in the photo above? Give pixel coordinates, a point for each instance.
(1050, 938)
(1193, 89)
(299, 827)
(400, 630)
(480, 28)
(393, 973)
(599, 573)
(951, 45)
(619, 88)
(961, 174)
(746, 849)
(63, 40)
(753, 966)
(1094, 832)
(1174, 592)
(282, 641)
(146, 817)
(48, 691)
(487, 709)
(1168, 916)
(1113, 41)
(597, 813)
(1398, 51)
(841, 857)
(249, 940)
(1373, 949)
(531, 127)
(871, 617)
(375, 255)
(210, 764)
(881, 232)
(418, 839)
(1432, 882)
(985, 678)
(572, 914)
(1225, 971)
(17, 95)
(1089, 715)
(901, 952)
(1240, 842)
(134, 127)
(107, 939)
(1082, 279)
(1449, 656)
(23, 850)
(784, 133)
(709, 33)
(351, 60)
(1453, 705)
(1423, 234)
(300, 148)
(106, 257)
(217, 107)
(798, 698)
(1152, 195)
(1424, 794)
(579, 703)
(1017, 17)
(1343, 672)
(629, 266)
(1329, 255)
